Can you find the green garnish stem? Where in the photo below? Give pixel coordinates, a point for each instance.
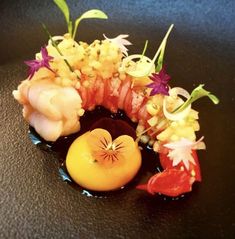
(144, 50)
(162, 46)
(57, 48)
(196, 94)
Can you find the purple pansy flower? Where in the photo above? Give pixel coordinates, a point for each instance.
(159, 85)
(35, 65)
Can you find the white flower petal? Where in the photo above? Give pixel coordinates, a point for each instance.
(122, 36)
(120, 42)
(191, 159)
(181, 151)
(125, 42)
(179, 144)
(176, 161)
(186, 143)
(186, 163)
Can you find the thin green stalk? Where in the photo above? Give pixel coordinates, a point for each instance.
(144, 50)
(57, 48)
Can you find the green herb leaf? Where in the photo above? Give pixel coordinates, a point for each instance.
(160, 58)
(70, 28)
(196, 94)
(161, 50)
(145, 47)
(144, 50)
(94, 13)
(62, 5)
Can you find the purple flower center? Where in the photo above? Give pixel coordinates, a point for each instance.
(160, 83)
(35, 65)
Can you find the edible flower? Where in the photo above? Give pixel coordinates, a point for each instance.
(106, 150)
(159, 85)
(181, 151)
(120, 42)
(35, 65)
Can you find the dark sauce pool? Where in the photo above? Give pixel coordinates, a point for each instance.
(117, 124)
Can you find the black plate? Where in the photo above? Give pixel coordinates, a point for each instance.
(35, 203)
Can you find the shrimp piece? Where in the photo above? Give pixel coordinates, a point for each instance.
(67, 101)
(21, 94)
(40, 94)
(70, 126)
(49, 130)
(27, 111)
(51, 109)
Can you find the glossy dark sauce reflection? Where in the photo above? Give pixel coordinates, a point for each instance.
(117, 124)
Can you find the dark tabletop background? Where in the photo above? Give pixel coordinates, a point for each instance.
(35, 203)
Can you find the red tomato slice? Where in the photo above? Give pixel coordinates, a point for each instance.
(110, 101)
(128, 103)
(126, 84)
(91, 92)
(171, 182)
(83, 93)
(194, 169)
(99, 95)
(143, 113)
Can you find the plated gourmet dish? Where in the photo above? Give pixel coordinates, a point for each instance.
(68, 78)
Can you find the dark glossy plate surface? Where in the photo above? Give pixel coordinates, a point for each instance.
(35, 203)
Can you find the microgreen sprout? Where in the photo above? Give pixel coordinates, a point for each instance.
(144, 50)
(58, 50)
(93, 13)
(161, 50)
(196, 94)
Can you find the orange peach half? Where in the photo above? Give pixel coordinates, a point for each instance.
(97, 163)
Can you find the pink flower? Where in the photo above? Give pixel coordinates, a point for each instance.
(35, 65)
(120, 42)
(181, 151)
